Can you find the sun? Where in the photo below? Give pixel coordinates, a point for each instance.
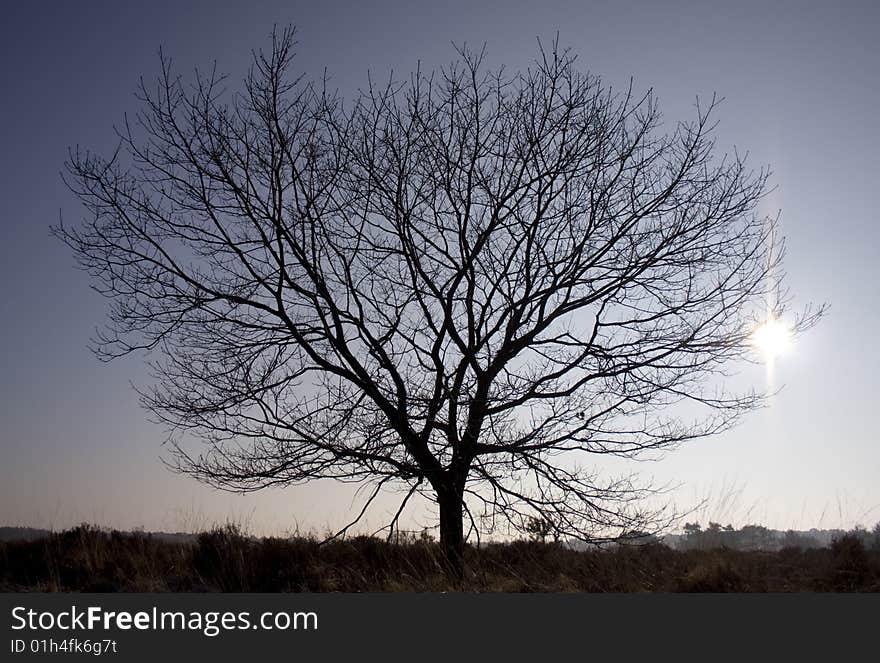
(773, 338)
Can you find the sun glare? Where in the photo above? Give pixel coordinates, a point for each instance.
(772, 338)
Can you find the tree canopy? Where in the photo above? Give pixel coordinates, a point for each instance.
(461, 285)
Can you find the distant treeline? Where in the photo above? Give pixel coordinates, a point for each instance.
(757, 537)
(695, 537)
(22, 533)
(32, 534)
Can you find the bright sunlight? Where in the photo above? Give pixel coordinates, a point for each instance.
(772, 338)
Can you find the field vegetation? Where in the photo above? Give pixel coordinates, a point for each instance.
(225, 559)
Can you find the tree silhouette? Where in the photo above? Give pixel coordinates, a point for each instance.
(459, 286)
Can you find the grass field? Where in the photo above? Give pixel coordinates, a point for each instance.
(223, 560)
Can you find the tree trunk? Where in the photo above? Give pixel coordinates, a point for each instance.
(452, 530)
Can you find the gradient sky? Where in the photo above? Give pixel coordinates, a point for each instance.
(802, 89)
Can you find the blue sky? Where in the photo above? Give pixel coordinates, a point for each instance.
(802, 92)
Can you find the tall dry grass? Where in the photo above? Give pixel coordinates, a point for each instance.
(225, 559)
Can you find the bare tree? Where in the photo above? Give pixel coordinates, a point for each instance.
(459, 286)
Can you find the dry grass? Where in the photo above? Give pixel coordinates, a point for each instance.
(90, 559)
